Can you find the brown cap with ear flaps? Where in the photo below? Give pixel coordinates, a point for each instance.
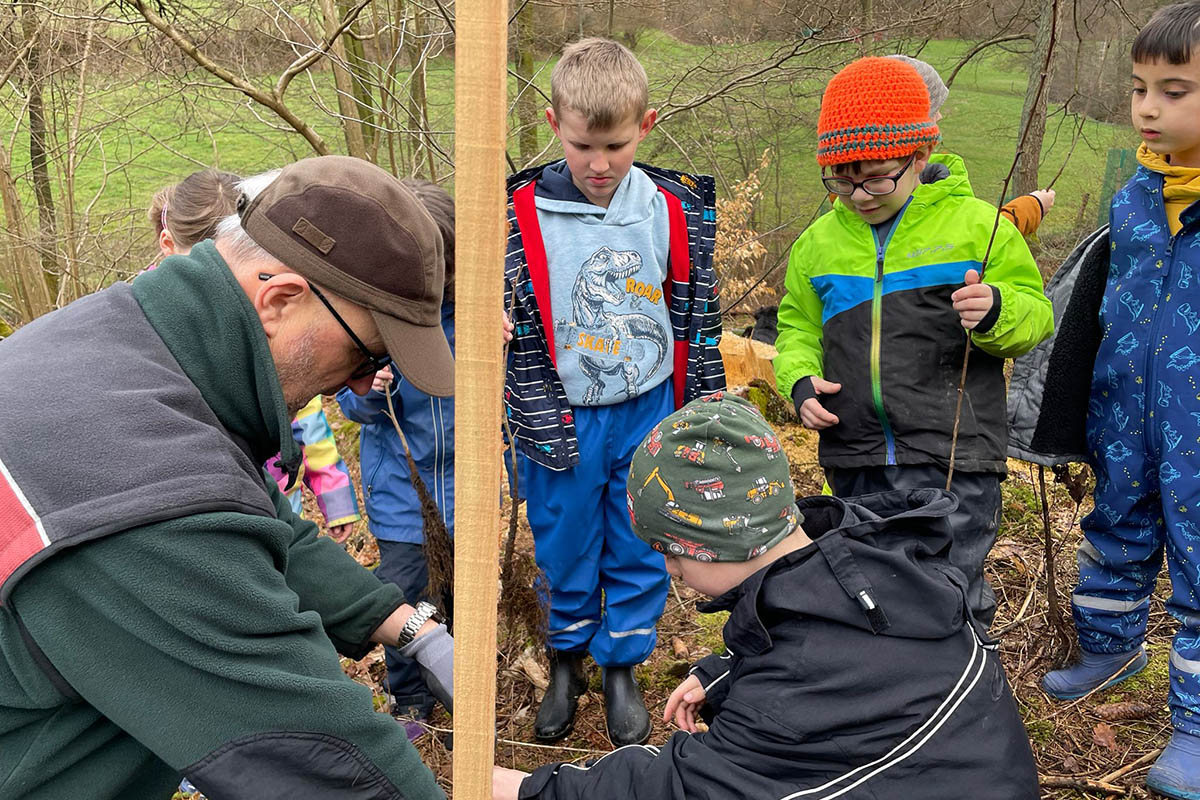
(353, 228)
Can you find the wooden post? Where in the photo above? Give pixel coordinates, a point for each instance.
(480, 105)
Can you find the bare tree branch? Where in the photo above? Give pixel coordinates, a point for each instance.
(979, 48)
(270, 100)
(313, 56)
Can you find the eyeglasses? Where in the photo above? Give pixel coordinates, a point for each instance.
(373, 362)
(875, 186)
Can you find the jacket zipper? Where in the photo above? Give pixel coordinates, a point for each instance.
(889, 437)
(1151, 433)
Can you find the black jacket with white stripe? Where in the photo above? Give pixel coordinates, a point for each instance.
(853, 670)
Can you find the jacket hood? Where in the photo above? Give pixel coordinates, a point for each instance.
(877, 563)
(957, 184)
(218, 340)
(632, 202)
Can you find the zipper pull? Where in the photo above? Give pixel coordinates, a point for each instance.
(875, 616)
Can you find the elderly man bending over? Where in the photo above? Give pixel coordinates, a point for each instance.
(162, 611)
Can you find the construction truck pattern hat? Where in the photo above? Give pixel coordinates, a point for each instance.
(711, 483)
(874, 109)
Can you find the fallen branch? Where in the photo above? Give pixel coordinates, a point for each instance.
(1082, 784)
(1131, 766)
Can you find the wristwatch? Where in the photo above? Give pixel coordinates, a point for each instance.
(425, 612)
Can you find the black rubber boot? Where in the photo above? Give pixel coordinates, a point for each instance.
(626, 715)
(568, 680)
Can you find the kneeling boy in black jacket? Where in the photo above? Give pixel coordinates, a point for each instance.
(852, 667)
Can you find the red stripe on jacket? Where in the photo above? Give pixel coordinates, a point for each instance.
(21, 533)
(525, 208)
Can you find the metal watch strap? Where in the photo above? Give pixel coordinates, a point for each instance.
(423, 613)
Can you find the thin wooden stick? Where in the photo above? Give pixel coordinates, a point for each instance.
(962, 382)
(1098, 687)
(1112, 777)
(1048, 543)
(480, 93)
(1083, 784)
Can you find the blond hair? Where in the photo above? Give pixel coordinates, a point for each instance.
(601, 80)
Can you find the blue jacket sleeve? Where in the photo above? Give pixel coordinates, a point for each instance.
(370, 408)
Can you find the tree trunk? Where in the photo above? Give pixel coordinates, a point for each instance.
(866, 40)
(418, 98)
(351, 124)
(527, 98)
(360, 73)
(30, 293)
(38, 163)
(1033, 114)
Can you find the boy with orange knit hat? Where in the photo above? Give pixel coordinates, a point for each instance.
(879, 291)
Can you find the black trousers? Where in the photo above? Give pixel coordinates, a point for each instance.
(975, 522)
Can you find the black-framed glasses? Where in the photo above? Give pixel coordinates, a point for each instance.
(373, 362)
(874, 186)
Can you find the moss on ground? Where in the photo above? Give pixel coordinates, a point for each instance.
(711, 626)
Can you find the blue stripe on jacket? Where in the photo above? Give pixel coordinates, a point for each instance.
(840, 293)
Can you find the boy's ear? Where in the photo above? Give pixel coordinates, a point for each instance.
(648, 120)
(553, 120)
(921, 157)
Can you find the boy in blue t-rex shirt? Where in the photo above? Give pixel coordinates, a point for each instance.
(615, 324)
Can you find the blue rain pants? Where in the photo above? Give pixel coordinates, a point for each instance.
(607, 587)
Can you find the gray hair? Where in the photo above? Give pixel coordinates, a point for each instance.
(938, 92)
(230, 233)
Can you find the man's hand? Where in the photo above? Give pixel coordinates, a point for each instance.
(383, 379)
(812, 414)
(683, 704)
(973, 301)
(506, 783)
(339, 532)
(434, 654)
(506, 329)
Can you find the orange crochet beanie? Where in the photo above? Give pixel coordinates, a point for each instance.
(874, 109)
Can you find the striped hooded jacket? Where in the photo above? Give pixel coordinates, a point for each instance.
(535, 401)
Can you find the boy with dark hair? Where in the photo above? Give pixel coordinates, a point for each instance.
(852, 667)
(1142, 419)
(615, 323)
(879, 291)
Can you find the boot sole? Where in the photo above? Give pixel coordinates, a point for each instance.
(1172, 792)
(642, 740)
(556, 737)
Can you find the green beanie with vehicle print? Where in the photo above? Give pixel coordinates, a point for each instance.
(711, 483)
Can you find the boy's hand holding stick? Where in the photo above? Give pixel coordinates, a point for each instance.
(973, 301)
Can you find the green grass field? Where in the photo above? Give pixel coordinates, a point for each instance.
(144, 136)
